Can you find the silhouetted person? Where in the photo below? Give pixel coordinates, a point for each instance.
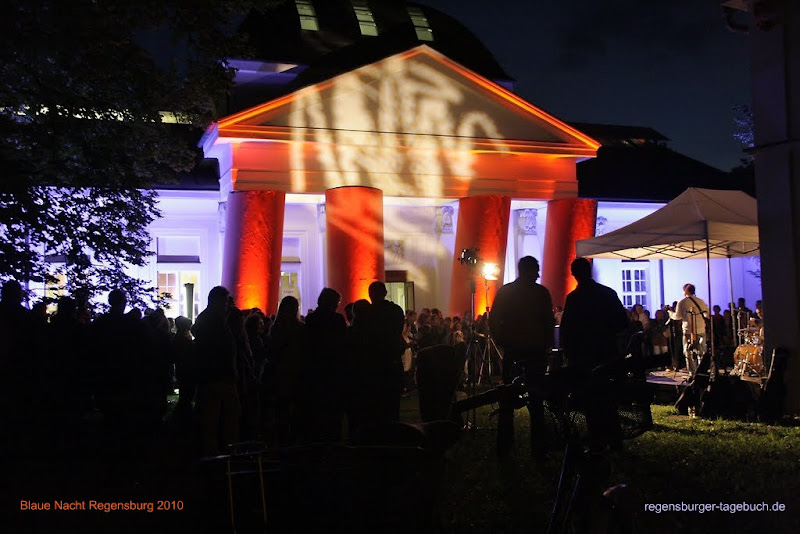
(155, 379)
(426, 335)
(120, 341)
(246, 385)
(254, 328)
(217, 396)
(320, 399)
(522, 323)
(593, 315)
(285, 349)
(39, 313)
(19, 373)
(16, 321)
(359, 373)
(385, 364)
(184, 353)
(66, 368)
(348, 313)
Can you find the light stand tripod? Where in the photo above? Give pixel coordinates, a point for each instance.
(489, 347)
(469, 258)
(478, 358)
(471, 357)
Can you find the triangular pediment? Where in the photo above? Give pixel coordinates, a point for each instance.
(418, 93)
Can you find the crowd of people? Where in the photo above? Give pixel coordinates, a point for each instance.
(679, 332)
(240, 375)
(292, 379)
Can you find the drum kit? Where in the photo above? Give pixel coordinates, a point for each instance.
(749, 355)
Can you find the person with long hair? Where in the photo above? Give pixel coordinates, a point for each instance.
(285, 350)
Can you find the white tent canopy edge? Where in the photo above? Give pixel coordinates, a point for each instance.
(698, 223)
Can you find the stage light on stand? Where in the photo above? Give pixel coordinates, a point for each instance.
(469, 257)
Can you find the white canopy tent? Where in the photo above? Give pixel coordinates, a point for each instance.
(699, 223)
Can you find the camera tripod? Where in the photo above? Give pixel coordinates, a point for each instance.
(481, 348)
(482, 356)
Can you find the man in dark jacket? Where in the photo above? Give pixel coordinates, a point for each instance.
(593, 316)
(523, 325)
(386, 340)
(216, 354)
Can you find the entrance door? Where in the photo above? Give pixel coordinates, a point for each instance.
(290, 286)
(401, 293)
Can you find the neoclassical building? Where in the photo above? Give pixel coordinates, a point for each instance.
(376, 140)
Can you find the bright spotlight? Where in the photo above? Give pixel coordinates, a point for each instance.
(491, 271)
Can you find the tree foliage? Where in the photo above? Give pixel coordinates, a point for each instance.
(82, 142)
(743, 122)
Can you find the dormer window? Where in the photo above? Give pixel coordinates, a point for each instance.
(308, 16)
(366, 22)
(421, 24)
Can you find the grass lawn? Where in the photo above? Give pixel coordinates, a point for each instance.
(679, 460)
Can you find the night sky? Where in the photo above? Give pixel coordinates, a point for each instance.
(668, 64)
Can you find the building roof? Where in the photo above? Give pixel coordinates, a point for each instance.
(275, 35)
(650, 173)
(204, 177)
(616, 134)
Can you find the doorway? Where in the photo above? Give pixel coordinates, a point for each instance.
(401, 293)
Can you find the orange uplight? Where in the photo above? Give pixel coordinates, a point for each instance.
(568, 220)
(253, 242)
(490, 271)
(354, 223)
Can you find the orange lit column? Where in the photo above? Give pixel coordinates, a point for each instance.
(251, 265)
(482, 224)
(568, 220)
(354, 223)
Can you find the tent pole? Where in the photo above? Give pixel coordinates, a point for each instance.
(708, 279)
(734, 339)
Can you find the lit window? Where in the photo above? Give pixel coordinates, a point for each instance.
(366, 22)
(173, 283)
(634, 287)
(308, 16)
(290, 285)
(177, 249)
(421, 25)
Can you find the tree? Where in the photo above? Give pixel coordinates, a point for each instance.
(743, 175)
(743, 121)
(83, 86)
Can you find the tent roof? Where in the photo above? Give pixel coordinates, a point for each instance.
(729, 219)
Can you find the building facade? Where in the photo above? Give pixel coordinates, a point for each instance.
(377, 141)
